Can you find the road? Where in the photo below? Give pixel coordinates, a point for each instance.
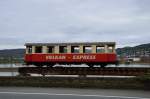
(70, 93)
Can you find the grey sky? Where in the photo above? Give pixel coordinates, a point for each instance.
(126, 22)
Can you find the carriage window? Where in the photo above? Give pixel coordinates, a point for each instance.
(38, 49)
(100, 49)
(62, 49)
(75, 49)
(110, 49)
(50, 49)
(87, 49)
(29, 49)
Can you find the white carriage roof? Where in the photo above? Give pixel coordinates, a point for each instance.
(71, 43)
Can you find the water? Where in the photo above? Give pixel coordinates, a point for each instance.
(131, 65)
(121, 65)
(10, 65)
(9, 73)
(20, 65)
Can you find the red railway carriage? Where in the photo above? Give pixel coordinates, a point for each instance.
(93, 53)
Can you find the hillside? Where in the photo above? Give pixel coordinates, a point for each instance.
(17, 53)
(136, 51)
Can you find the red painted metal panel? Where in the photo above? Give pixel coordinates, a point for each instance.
(103, 57)
(112, 57)
(28, 57)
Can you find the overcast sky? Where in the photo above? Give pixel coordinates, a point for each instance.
(126, 22)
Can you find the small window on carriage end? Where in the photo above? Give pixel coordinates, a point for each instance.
(87, 49)
(38, 49)
(29, 49)
(50, 49)
(75, 49)
(100, 49)
(110, 49)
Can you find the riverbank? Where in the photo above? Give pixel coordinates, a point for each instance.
(142, 83)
